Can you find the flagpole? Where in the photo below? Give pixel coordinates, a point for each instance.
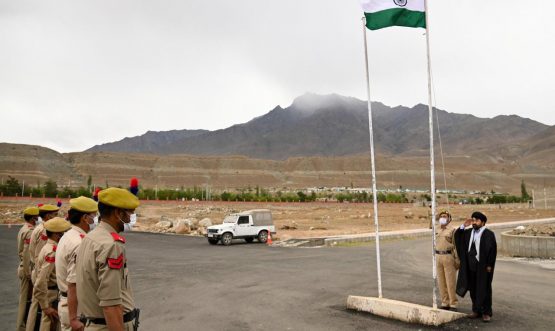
(432, 163)
(372, 160)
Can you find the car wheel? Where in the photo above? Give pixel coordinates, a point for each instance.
(249, 240)
(213, 241)
(226, 239)
(263, 236)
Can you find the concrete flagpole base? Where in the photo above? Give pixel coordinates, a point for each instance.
(402, 311)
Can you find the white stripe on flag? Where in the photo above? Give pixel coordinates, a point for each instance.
(372, 6)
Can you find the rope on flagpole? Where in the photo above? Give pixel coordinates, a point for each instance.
(372, 159)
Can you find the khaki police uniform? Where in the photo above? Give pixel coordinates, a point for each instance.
(102, 277)
(38, 239)
(24, 273)
(65, 269)
(445, 262)
(45, 290)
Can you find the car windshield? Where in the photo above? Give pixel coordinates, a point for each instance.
(230, 219)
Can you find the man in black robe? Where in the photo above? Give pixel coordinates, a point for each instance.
(477, 250)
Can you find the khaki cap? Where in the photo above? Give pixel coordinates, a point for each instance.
(31, 211)
(49, 208)
(57, 224)
(84, 204)
(119, 198)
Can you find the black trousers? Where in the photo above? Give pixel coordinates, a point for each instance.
(481, 302)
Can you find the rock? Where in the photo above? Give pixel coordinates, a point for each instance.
(183, 227)
(288, 227)
(205, 222)
(201, 231)
(312, 228)
(164, 224)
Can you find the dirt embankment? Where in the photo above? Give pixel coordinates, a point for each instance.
(537, 230)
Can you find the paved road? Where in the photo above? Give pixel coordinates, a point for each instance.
(183, 283)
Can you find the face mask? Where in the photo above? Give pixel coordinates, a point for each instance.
(93, 224)
(443, 221)
(127, 227)
(39, 220)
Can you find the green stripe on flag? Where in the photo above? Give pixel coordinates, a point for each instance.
(395, 17)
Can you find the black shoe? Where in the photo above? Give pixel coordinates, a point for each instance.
(445, 307)
(474, 315)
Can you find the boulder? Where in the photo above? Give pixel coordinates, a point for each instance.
(183, 227)
(205, 222)
(164, 225)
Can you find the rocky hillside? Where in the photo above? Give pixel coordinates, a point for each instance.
(333, 125)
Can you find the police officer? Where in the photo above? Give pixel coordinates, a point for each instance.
(103, 287)
(30, 215)
(83, 217)
(45, 289)
(38, 240)
(445, 261)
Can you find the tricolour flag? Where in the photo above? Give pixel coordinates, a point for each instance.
(385, 13)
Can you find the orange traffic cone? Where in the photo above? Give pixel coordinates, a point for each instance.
(269, 240)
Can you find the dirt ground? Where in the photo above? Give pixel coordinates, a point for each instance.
(300, 220)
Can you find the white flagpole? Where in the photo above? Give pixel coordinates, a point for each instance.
(374, 191)
(432, 163)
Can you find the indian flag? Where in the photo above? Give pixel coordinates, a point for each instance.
(385, 13)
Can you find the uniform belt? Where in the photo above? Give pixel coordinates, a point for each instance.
(443, 252)
(64, 294)
(54, 287)
(127, 317)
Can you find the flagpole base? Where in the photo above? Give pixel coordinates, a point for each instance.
(402, 311)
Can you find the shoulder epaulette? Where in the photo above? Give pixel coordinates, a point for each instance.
(54, 248)
(50, 259)
(117, 237)
(81, 235)
(43, 237)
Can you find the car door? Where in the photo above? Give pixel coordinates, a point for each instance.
(243, 226)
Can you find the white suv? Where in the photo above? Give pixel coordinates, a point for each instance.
(248, 225)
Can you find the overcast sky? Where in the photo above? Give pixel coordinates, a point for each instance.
(78, 73)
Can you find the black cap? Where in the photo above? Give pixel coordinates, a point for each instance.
(479, 216)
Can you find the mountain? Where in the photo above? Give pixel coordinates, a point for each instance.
(334, 125)
(150, 142)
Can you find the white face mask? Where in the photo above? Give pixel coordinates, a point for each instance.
(93, 224)
(443, 221)
(39, 220)
(127, 227)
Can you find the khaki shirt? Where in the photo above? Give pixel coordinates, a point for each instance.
(102, 275)
(444, 238)
(23, 241)
(46, 275)
(65, 256)
(38, 240)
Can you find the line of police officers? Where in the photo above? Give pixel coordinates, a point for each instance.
(73, 274)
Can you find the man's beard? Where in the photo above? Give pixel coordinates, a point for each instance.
(476, 227)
